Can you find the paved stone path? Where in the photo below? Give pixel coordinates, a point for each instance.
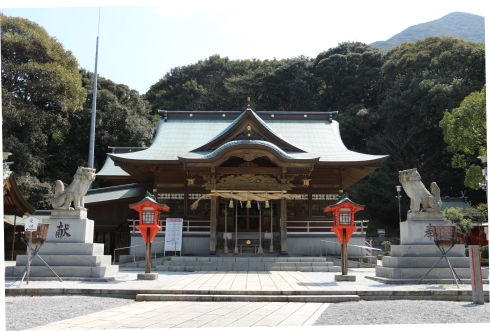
(155, 315)
(245, 281)
(186, 314)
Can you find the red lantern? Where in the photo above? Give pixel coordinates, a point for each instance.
(149, 212)
(343, 218)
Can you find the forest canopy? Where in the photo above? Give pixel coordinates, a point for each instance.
(389, 103)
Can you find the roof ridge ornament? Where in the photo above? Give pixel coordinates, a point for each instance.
(330, 115)
(248, 106)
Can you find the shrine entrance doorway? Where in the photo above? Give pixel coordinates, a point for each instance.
(252, 219)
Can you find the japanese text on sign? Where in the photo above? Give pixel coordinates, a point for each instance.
(62, 231)
(30, 224)
(173, 234)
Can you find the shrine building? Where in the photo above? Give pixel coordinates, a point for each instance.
(259, 176)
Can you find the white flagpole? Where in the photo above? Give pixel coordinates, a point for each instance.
(94, 102)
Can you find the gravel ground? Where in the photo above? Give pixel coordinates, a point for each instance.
(404, 312)
(48, 309)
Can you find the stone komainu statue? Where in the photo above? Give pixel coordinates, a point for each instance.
(75, 192)
(431, 201)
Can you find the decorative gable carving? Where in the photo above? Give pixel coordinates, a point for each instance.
(250, 182)
(248, 126)
(248, 134)
(249, 156)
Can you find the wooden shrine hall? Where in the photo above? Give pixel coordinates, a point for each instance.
(237, 176)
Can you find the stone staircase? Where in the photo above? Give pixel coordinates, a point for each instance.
(197, 263)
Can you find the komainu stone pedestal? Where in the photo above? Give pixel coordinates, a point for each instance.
(69, 250)
(411, 260)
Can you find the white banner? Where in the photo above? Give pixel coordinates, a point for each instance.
(173, 234)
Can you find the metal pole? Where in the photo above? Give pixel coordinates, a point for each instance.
(94, 102)
(29, 257)
(398, 190)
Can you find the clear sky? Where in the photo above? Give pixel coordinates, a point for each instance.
(142, 40)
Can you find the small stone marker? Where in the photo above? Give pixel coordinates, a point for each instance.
(345, 278)
(148, 276)
(476, 275)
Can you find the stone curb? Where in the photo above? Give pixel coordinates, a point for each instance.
(447, 295)
(408, 281)
(248, 298)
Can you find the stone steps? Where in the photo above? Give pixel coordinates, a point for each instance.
(69, 261)
(418, 273)
(247, 298)
(64, 271)
(412, 262)
(191, 264)
(426, 262)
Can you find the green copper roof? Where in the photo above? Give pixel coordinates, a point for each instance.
(111, 170)
(180, 136)
(115, 193)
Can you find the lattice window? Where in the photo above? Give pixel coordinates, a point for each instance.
(345, 219)
(148, 217)
(298, 207)
(320, 201)
(204, 207)
(175, 201)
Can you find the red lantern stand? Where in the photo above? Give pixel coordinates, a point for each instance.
(343, 216)
(149, 215)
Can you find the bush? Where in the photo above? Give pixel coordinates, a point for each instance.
(463, 225)
(484, 252)
(386, 244)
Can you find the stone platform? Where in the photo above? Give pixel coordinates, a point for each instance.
(69, 250)
(417, 253)
(411, 262)
(68, 260)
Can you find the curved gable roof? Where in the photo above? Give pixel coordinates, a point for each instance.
(257, 127)
(183, 135)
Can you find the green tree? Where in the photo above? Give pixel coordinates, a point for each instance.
(123, 118)
(290, 86)
(463, 225)
(41, 89)
(349, 78)
(420, 81)
(199, 86)
(249, 82)
(37, 194)
(465, 132)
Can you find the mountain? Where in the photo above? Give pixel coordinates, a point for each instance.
(458, 25)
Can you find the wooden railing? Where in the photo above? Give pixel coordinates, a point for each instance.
(189, 226)
(316, 226)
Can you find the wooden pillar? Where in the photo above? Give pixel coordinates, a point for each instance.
(343, 254)
(284, 228)
(213, 225)
(148, 253)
